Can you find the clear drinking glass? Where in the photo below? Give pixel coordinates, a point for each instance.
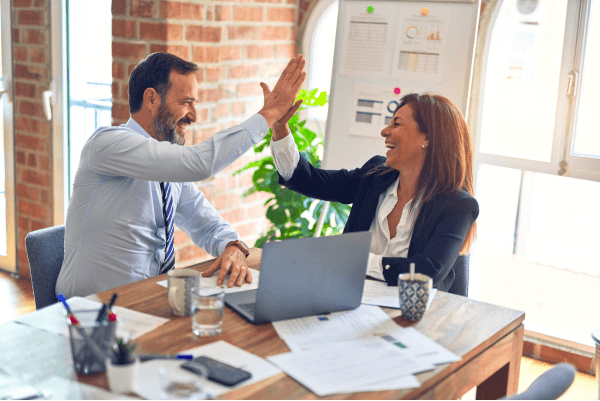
(176, 384)
(207, 317)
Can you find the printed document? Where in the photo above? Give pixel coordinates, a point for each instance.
(367, 44)
(212, 282)
(348, 367)
(421, 41)
(52, 318)
(378, 293)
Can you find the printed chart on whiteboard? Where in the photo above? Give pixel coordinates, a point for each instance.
(421, 42)
(368, 40)
(374, 107)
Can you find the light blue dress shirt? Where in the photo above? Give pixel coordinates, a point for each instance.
(115, 229)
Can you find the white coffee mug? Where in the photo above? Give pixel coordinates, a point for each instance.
(180, 289)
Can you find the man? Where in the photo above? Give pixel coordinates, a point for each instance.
(135, 181)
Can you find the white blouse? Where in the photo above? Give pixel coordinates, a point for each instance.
(286, 158)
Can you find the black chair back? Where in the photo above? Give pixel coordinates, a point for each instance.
(460, 286)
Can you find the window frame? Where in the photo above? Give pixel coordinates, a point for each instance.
(9, 262)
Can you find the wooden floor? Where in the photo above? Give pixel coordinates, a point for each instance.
(16, 298)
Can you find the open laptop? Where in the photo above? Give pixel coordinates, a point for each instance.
(306, 276)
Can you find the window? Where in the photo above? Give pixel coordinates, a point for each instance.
(7, 167)
(538, 165)
(319, 45)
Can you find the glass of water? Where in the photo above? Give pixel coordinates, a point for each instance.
(208, 311)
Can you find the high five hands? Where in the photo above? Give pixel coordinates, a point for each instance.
(279, 103)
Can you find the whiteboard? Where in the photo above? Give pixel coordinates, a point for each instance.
(343, 148)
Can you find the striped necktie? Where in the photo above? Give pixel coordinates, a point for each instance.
(169, 262)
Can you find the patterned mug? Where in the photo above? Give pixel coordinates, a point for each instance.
(414, 295)
(180, 290)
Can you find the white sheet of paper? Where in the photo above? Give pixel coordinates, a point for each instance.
(52, 318)
(367, 45)
(212, 282)
(374, 107)
(421, 41)
(148, 385)
(59, 388)
(350, 366)
(360, 323)
(378, 293)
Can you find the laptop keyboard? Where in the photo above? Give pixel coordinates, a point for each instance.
(248, 307)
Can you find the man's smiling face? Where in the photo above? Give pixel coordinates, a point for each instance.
(177, 109)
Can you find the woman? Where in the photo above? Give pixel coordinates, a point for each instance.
(417, 201)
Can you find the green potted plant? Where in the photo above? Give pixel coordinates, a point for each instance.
(293, 215)
(122, 367)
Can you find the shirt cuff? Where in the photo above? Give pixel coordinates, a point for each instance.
(374, 269)
(257, 127)
(285, 156)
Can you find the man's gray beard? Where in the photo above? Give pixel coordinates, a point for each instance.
(164, 127)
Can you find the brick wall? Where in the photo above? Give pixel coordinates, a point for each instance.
(33, 142)
(237, 44)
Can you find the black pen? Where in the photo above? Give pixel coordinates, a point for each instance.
(149, 357)
(101, 313)
(112, 301)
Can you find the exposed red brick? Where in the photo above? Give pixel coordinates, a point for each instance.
(243, 71)
(118, 70)
(222, 13)
(230, 53)
(212, 74)
(37, 55)
(16, 36)
(178, 50)
(34, 37)
(247, 229)
(294, 34)
(30, 17)
(44, 162)
(20, 54)
(259, 51)
(200, 33)
(120, 111)
(32, 210)
(249, 89)
(208, 95)
(20, 157)
(21, 3)
(272, 33)
(226, 200)
(141, 8)
(237, 108)
(206, 54)
(24, 224)
(29, 142)
(33, 109)
(180, 10)
(243, 13)
(27, 192)
(242, 32)
(285, 51)
(161, 31)
(234, 216)
(118, 7)
(124, 28)
(130, 51)
(223, 110)
(281, 14)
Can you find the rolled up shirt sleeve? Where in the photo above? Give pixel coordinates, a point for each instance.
(119, 152)
(285, 156)
(374, 268)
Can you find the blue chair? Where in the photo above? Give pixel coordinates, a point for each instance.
(549, 385)
(460, 286)
(45, 251)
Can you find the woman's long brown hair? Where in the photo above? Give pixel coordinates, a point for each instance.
(448, 166)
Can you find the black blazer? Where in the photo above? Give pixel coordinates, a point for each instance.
(439, 231)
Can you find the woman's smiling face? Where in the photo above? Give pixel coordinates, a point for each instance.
(404, 140)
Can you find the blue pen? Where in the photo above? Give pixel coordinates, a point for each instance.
(157, 356)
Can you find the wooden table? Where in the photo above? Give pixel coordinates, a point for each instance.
(489, 339)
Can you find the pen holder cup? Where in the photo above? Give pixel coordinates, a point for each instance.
(91, 341)
(414, 295)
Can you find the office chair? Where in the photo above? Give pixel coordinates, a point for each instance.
(460, 286)
(549, 385)
(45, 251)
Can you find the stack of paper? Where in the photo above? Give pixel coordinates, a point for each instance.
(358, 350)
(378, 293)
(52, 318)
(212, 282)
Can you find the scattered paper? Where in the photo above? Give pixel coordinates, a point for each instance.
(378, 293)
(367, 40)
(360, 323)
(58, 388)
(52, 318)
(421, 41)
(212, 282)
(348, 367)
(149, 383)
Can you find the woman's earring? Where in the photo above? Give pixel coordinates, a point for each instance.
(423, 146)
